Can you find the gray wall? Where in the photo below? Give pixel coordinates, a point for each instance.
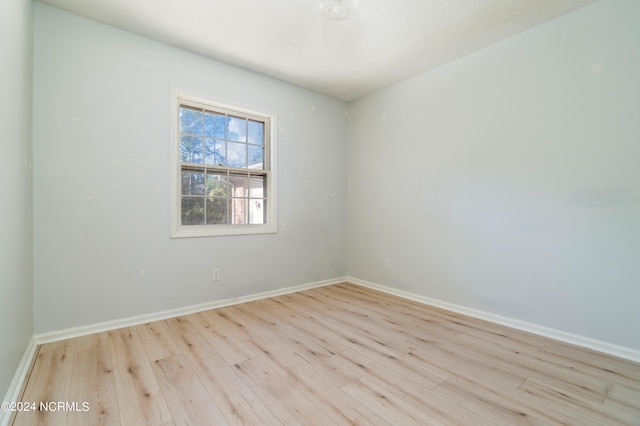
(16, 247)
(101, 181)
(509, 180)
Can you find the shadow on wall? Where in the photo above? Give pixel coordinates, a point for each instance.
(604, 197)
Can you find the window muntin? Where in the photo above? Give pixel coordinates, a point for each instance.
(224, 183)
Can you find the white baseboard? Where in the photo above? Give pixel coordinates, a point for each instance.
(13, 393)
(68, 333)
(575, 339)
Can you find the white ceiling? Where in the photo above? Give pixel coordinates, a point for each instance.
(381, 43)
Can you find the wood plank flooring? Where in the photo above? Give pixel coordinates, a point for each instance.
(341, 354)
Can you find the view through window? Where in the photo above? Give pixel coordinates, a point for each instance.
(224, 167)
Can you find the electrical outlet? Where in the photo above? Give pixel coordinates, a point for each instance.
(387, 264)
(216, 274)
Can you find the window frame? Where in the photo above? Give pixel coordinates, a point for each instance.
(180, 97)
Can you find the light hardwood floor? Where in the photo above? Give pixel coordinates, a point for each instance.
(341, 354)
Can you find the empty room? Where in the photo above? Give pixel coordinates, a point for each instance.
(320, 212)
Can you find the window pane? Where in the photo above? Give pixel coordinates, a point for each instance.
(217, 211)
(256, 211)
(255, 157)
(239, 211)
(223, 167)
(192, 183)
(256, 132)
(236, 154)
(214, 152)
(239, 186)
(192, 211)
(217, 185)
(191, 149)
(237, 129)
(256, 188)
(214, 125)
(190, 121)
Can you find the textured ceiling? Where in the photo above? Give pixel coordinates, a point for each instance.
(381, 43)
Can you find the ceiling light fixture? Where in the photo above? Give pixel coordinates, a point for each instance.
(337, 10)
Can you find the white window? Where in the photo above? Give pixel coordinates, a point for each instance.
(223, 170)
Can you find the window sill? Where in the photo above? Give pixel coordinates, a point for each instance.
(222, 230)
